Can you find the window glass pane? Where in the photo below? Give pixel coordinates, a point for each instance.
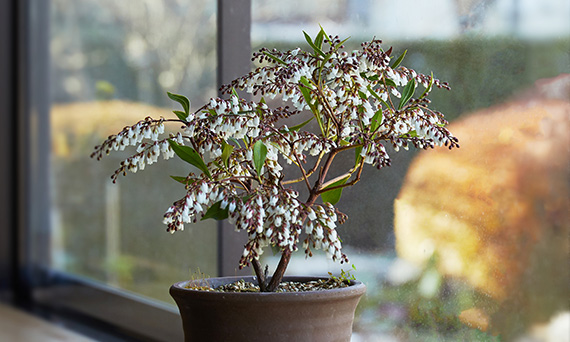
(112, 63)
(462, 244)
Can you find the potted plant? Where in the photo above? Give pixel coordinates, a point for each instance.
(357, 103)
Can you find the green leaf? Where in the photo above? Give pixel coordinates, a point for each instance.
(183, 100)
(275, 58)
(301, 125)
(305, 89)
(235, 141)
(308, 39)
(326, 56)
(374, 77)
(319, 38)
(212, 112)
(306, 82)
(373, 92)
(333, 196)
(227, 150)
(357, 156)
(376, 120)
(189, 155)
(181, 115)
(390, 83)
(340, 44)
(430, 85)
(407, 94)
(183, 180)
(216, 212)
(398, 60)
(318, 51)
(306, 95)
(259, 154)
(246, 198)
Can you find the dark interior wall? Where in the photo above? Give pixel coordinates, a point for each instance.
(7, 155)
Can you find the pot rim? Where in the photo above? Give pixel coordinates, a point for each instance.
(356, 288)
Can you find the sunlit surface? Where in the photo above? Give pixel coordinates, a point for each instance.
(17, 326)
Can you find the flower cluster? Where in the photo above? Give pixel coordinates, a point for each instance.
(355, 98)
(271, 216)
(148, 130)
(360, 101)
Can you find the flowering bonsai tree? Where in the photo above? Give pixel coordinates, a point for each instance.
(359, 102)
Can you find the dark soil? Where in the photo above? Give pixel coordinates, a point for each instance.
(288, 286)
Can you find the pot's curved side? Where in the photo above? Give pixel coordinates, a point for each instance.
(294, 316)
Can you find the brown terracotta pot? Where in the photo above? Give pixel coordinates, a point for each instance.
(261, 316)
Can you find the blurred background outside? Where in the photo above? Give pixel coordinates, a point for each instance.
(453, 245)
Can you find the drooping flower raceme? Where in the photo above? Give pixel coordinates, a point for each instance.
(359, 101)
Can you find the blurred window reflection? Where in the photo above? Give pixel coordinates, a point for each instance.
(111, 65)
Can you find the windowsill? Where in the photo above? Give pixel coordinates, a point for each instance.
(18, 326)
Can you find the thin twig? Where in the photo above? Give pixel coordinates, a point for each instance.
(351, 183)
(305, 177)
(341, 177)
(311, 171)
